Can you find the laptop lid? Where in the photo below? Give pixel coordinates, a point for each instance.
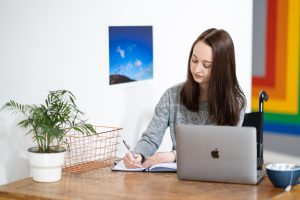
(216, 153)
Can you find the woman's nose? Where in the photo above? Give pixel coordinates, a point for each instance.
(199, 67)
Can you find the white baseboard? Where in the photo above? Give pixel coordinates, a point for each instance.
(275, 157)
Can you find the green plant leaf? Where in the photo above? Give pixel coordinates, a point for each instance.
(50, 121)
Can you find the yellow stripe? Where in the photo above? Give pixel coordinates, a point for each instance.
(290, 104)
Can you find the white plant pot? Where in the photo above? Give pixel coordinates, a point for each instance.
(46, 167)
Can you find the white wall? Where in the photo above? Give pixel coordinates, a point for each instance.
(62, 44)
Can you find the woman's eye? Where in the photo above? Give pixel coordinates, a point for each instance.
(206, 65)
(195, 61)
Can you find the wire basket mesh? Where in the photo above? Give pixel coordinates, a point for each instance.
(89, 152)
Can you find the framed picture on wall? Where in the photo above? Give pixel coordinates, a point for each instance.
(130, 54)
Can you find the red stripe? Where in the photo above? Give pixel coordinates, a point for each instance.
(269, 79)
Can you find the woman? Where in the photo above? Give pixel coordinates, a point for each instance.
(210, 95)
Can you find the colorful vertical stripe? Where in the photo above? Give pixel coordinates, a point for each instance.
(281, 77)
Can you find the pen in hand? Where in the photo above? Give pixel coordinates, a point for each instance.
(129, 149)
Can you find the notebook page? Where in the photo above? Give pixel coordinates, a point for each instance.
(121, 167)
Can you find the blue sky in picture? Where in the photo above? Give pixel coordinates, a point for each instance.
(131, 52)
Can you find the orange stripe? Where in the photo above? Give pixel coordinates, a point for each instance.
(281, 50)
(279, 88)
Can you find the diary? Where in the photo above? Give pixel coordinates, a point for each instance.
(160, 167)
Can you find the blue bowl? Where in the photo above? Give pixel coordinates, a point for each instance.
(283, 174)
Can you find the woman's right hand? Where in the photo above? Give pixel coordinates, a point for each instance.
(131, 162)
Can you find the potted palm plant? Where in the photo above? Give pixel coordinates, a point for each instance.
(49, 123)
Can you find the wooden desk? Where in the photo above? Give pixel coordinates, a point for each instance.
(105, 184)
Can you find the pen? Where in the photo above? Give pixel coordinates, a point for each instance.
(129, 149)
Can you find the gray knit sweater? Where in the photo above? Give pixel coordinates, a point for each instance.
(168, 112)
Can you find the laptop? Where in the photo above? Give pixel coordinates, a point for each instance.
(217, 154)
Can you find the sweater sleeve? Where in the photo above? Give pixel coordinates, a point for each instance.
(153, 135)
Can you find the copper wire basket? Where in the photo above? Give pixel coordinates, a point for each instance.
(89, 152)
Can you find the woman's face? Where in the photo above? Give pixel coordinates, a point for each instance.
(201, 62)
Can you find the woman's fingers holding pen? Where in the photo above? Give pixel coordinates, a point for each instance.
(131, 162)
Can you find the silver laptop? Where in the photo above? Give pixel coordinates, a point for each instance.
(217, 153)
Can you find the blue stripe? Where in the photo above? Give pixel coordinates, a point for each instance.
(282, 128)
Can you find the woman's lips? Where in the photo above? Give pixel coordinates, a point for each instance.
(198, 76)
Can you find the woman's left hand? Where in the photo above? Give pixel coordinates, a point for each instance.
(159, 157)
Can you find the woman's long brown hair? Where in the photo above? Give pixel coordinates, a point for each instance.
(225, 97)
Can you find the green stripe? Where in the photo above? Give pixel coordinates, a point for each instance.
(283, 118)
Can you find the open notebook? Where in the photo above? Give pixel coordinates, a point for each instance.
(160, 167)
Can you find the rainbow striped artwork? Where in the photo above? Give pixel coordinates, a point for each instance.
(276, 48)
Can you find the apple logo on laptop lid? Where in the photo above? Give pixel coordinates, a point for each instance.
(215, 153)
